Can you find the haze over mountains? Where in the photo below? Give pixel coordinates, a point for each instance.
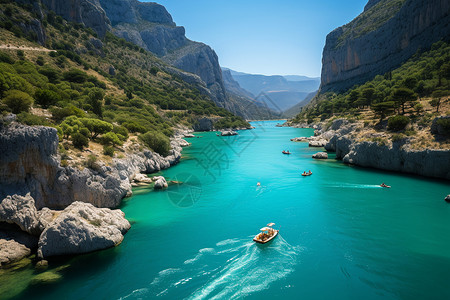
(278, 92)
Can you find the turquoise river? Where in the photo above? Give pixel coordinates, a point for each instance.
(342, 236)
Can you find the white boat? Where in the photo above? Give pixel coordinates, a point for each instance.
(266, 235)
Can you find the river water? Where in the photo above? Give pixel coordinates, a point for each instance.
(342, 236)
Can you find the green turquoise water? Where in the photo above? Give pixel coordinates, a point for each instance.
(342, 236)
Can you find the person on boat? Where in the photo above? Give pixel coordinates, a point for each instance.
(304, 173)
(309, 172)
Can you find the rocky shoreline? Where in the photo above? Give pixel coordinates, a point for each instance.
(397, 156)
(57, 210)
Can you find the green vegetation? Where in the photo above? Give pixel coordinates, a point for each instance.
(445, 124)
(17, 101)
(72, 86)
(370, 20)
(230, 122)
(397, 123)
(156, 141)
(424, 75)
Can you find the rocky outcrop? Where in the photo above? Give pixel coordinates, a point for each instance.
(87, 12)
(396, 156)
(204, 124)
(82, 228)
(228, 133)
(200, 59)
(431, 163)
(132, 11)
(22, 212)
(15, 244)
(369, 45)
(314, 141)
(320, 155)
(151, 27)
(30, 164)
(160, 183)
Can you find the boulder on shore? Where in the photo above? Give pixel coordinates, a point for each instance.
(15, 245)
(320, 155)
(318, 143)
(139, 177)
(160, 183)
(228, 133)
(82, 228)
(21, 210)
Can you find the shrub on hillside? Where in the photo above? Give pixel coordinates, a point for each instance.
(30, 119)
(18, 101)
(397, 123)
(110, 138)
(108, 150)
(46, 98)
(157, 141)
(79, 141)
(4, 57)
(75, 75)
(444, 123)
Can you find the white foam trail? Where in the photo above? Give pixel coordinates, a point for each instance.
(199, 255)
(235, 269)
(250, 272)
(136, 294)
(164, 273)
(355, 186)
(227, 242)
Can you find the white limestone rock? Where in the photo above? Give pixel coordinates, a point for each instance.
(82, 228)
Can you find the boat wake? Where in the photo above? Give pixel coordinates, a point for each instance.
(354, 186)
(233, 269)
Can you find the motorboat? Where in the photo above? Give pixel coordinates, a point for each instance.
(266, 235)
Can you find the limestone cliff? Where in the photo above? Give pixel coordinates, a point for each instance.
(397, 156)
(385, 35)
(87, 12)
(150, 26)
(30, 164)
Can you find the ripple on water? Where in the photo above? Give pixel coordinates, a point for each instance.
(234, 269)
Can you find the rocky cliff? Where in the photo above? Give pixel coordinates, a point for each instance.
(385, 35)
(150, 26)
(30, 164)
(87, 12)
(396, 156)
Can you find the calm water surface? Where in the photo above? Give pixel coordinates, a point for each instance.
(342, 236)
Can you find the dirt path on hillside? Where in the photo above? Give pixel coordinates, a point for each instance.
(11, 47)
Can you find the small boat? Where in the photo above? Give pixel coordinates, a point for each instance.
(266, 235)
(285, 152)
(307, 174)
(385, 186)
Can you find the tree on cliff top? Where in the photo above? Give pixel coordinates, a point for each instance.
(383, 109)
(403, 96)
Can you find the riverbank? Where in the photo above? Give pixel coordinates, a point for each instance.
(356, 144)
(42, 198)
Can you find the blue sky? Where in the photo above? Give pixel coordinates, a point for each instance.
(264, 36)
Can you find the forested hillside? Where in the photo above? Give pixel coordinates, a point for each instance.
(410, 96)
(93, 89)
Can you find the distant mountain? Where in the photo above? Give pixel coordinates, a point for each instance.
(277, 92)
(243, 102)
(297, 108)
(299, 78)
